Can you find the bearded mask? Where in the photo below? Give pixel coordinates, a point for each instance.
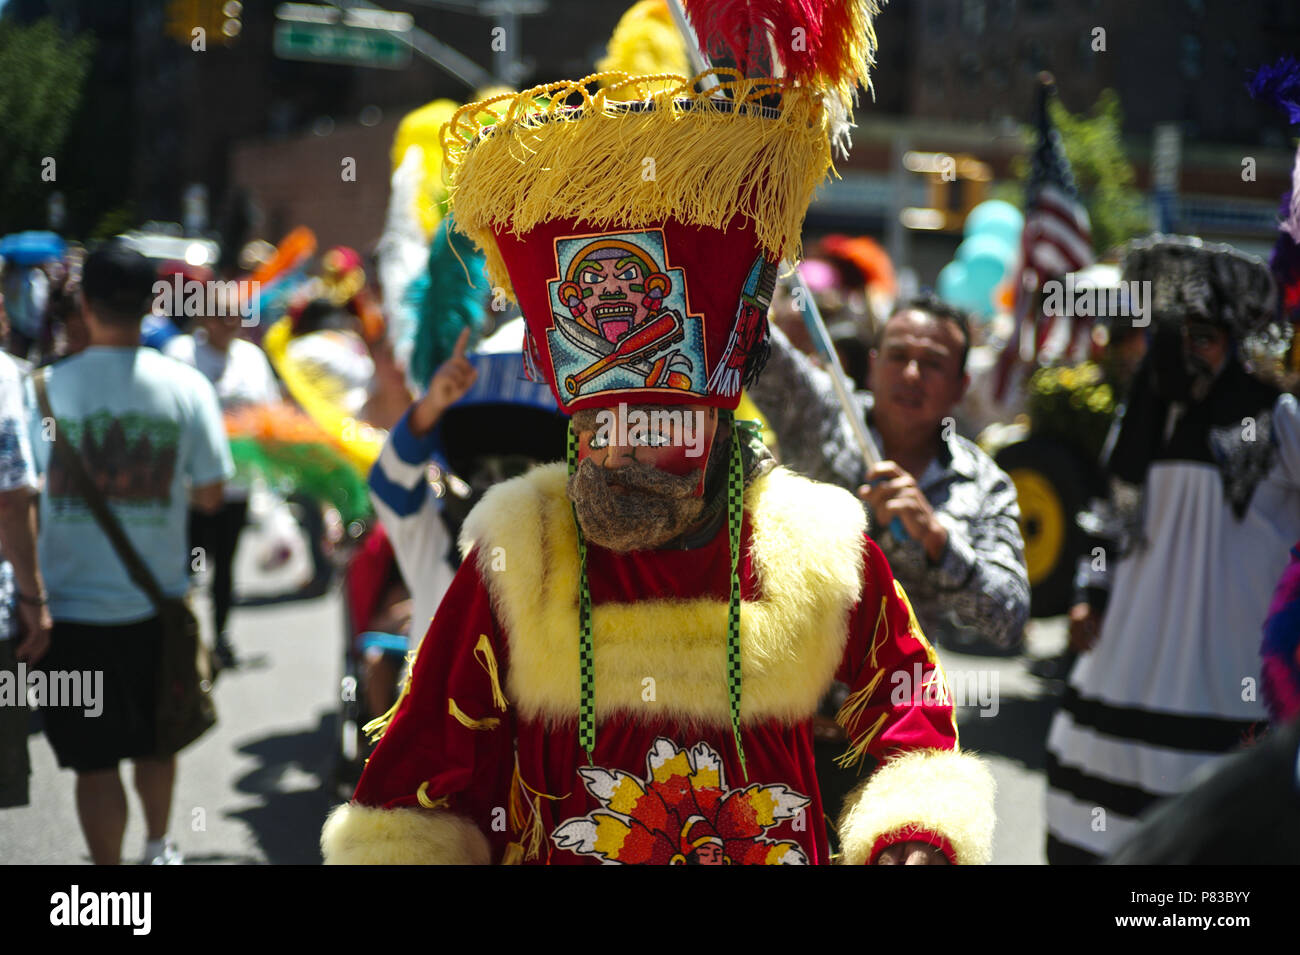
(625, 505)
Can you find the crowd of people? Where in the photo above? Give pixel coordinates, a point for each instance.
(149, 425)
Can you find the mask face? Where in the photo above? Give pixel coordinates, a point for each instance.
(675, 440)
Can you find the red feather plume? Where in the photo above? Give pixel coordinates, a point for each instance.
(827, 43)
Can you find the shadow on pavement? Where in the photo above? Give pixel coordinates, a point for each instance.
(287, 824)
(1018, 732)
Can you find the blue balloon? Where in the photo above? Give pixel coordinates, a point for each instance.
(996, 218)
(952, 283)
(986, 259)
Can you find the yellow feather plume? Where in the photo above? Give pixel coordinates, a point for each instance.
(646, 41)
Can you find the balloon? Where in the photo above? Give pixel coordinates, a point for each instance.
(952, 283)
(996, 218)
(986, 260)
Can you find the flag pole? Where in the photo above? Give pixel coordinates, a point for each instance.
(802, 295)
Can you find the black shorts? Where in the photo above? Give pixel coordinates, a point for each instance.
(128, 655)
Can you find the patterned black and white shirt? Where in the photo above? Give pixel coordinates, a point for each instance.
(980, 580)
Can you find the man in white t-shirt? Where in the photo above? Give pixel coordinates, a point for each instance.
(242, 375)
(149, 433)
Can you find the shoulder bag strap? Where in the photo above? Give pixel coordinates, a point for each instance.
(107, 521)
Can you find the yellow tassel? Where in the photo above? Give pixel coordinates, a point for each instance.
(488, 660)
(853, 755)
(512, 166)
(518, 804)
(880, 619)
(422, 797)
(914, 628)
(487, 723)
(531, 827)
(536, 833)
(514, 854)
(377, 727)
(857, 702)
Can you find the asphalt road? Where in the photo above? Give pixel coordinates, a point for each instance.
(256, 789)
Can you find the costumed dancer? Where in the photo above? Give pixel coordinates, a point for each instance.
(627, 663)
(1204, 462)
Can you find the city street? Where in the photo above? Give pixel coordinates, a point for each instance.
(256, 788)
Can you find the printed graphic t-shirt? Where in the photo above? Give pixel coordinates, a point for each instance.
(148, 428)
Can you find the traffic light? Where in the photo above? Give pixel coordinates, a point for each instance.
(220, 20)
(182, 18)
(957, 184)
(231, 25)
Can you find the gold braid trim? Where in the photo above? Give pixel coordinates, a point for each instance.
(487, 723)
(422, 797)
(853, 755)
(488, 660)
(880, 619)
(377, 727)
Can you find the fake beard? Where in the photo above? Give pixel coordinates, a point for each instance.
(653, 508)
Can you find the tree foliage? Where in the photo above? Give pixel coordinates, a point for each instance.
(1105, 177)
(41, 78)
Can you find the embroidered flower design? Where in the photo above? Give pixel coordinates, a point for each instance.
(681, 814)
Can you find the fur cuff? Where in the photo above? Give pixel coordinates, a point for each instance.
(945, 792)
(362, 835)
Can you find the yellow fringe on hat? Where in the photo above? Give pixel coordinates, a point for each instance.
(512, 166)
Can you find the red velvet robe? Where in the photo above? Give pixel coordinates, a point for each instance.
(769, 812)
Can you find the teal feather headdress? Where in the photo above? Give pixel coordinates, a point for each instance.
(451, 295)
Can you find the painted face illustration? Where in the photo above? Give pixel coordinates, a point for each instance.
(709, 854)
(617, 287)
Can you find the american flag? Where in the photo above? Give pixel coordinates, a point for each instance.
(1057, 236)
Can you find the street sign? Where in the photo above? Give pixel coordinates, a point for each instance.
(339, 43)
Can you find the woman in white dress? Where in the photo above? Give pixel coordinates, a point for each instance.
(1205, 460)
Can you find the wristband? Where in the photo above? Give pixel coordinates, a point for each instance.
(39, 601)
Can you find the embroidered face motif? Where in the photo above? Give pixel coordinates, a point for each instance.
(620, 317)
(681, 813)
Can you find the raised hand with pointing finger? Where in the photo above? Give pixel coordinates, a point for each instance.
(448, 385)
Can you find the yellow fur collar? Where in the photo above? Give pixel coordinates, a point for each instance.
(666, 658)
